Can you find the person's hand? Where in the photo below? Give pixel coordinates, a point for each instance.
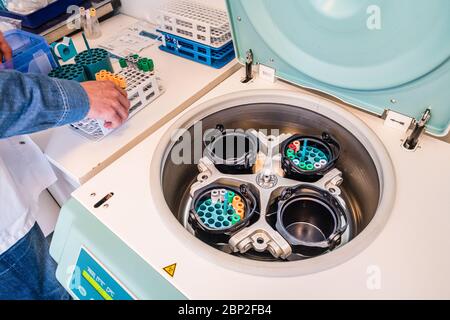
(5, 49)
(107, 102)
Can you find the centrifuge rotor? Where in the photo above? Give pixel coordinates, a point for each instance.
(270, 182)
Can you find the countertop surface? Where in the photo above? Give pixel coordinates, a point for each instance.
(184, 82)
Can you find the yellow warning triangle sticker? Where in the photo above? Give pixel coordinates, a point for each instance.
(171, 269)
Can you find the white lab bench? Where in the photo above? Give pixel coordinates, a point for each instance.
(77, 159)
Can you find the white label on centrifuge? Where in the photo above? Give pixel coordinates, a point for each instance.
(397, 121)
(267, 73)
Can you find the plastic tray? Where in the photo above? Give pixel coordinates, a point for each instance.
(214, 57)
(38, 18)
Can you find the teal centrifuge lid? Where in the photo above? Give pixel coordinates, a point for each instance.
(375, 54)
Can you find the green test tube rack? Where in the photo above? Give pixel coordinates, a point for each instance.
(214, 216)
(94, 61)
(73, 72)
(308, 159)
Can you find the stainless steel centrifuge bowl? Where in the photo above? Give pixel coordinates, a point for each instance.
(369, 180)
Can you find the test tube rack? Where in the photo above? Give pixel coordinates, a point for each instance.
(74, 72)
(307, 158)
(196, 22)
(213, 57)
(142, 89)
(221, 210)
(94, 61)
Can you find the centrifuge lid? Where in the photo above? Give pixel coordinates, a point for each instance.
(375, 54)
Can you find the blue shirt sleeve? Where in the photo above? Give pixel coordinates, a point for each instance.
(31, 103)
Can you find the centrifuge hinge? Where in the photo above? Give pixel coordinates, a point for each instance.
(412, 140)
(248, 67)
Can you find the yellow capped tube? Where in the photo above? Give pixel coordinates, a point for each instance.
(122, 82)
(118, 80)
(236, 200)
(241, 213)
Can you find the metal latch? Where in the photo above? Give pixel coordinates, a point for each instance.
(412, 140)
(248, 67)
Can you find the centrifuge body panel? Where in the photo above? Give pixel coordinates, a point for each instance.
(402, 253)
(397, 264)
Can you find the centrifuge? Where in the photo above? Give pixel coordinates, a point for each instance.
(316, 171)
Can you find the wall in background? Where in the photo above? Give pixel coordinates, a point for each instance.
(147, 9)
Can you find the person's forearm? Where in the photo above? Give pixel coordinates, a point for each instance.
(30, 103)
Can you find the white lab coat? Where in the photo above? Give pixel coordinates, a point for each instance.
(24, 174)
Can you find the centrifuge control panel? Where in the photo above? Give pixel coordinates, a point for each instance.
(92, 281)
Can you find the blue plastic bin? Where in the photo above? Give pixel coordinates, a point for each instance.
(38, 18)
(31, 53)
